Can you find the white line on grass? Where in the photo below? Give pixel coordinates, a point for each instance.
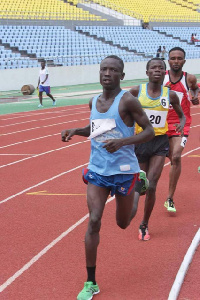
(184, 267)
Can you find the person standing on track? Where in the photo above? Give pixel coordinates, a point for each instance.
(43, 83)
(181, 83)
(113, 167)
(155, 100)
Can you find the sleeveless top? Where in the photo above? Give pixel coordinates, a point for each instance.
(109, 125)
(155, 108)
(181, 88)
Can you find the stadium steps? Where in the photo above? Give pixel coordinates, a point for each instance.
(183, 5)
(24, 53)
(112, 44)
(174, 37)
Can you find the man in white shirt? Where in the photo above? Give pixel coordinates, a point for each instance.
(43, 83)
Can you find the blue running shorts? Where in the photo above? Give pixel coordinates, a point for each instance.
(121, 184)
(45, 89)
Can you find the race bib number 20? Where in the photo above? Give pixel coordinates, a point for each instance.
(157, 118)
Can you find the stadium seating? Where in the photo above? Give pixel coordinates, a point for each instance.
(156, 9)
(63, 46)
(88, 44)
(138, 39)
(43, 10)
(23, 46)
(184, 33)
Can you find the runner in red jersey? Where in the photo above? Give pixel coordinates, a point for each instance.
(180, 82)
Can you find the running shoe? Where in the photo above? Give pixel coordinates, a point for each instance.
(40, 105)
(54, 103)
(88, 291)
(143, 233)
(143, 177)
(169, 204)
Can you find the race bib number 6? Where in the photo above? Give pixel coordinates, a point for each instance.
(164, 102)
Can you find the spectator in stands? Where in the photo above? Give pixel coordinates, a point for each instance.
(145, 25)
(195, 38)
(192, 38)
(163, 53)
(43, 83)
(180, 82)
(158, 52)
(113, 166)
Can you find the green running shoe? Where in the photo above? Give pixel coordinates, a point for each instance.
(88, 291)
(169, 204)
(143, 177)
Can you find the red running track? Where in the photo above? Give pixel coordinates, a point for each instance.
(44, 218)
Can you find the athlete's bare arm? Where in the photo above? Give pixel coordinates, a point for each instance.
(67, 134)
(131, 110)
(135, 90)
(174, 101)
(194, 89)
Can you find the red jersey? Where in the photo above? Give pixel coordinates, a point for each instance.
(182, 90)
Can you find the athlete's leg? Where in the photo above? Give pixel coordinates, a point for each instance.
(175, 157)
(40, 97)
(124, 206)
(156, 164)
(96, 199)
(144, 167)
(50, 96)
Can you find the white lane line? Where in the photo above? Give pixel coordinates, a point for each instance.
(44, 251)
(184, 155)
(45, 136)
(45, 119)
(39, 127)
(31, 140)
(40, 183)
(40, 154)
(194, 126)
(195, 114)
(173, 295)
(38, 138)
(34, 113)
(41, 253)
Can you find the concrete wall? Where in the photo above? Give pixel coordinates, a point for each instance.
(14, 79)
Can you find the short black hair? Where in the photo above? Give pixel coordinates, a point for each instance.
(179, 49)
(118, 58)
(155, 58)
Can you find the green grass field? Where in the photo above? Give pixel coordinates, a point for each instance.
(15, 101)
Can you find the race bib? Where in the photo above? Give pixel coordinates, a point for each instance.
(156, 117)
(99, 126)
(164, 102)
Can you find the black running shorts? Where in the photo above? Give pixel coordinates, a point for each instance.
(159, 145)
